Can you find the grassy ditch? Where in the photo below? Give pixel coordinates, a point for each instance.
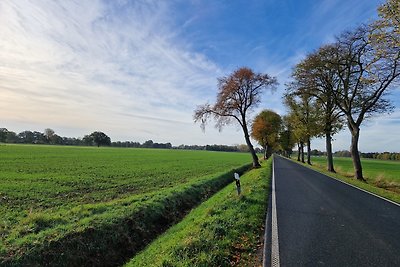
(107, 233)
(225, 230)
(380, 179)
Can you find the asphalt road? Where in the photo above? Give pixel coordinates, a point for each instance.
(323, 222)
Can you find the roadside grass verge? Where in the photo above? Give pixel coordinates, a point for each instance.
(225, 230)
(107, 233)
(377, 183)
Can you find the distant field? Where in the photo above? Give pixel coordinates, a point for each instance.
(48, 190)
(372, 168)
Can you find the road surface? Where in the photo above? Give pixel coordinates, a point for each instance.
(323, 222)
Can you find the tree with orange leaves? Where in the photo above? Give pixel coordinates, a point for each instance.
(265, 130)
(238, 95)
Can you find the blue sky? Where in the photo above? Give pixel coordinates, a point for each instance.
(137, 69)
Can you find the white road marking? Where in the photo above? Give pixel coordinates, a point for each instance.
(274, 236)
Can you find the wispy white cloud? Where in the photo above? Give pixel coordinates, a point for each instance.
(94, 64)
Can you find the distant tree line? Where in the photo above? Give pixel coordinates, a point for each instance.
(35, 137)
(98, 138)
(51, 138)
(225, 148)
(147, 144)
(384, 156)
(368, 155)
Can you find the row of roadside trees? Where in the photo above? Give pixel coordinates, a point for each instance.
(340, 84)
(346, 82)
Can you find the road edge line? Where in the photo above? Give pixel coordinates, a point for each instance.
(275, 262)
(361, 189)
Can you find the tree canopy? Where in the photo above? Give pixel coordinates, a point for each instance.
(304, 117)
(265, 130)
(100, 138)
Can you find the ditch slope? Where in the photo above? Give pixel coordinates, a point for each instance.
(225, 230)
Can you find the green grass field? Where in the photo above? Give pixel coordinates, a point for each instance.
(372, 168)
(48, 193)
(382, 176)
(225, 230)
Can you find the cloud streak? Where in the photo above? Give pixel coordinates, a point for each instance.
(86, 63)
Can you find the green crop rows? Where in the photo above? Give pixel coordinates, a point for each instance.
(45, 190)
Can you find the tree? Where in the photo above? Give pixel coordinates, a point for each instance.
(87, 140)
(12, 137)
(100, 138)
(242, 148)
(148, 144)
(58, 140)
(265, 130)
(39, 138)
(298, 132)
(3, 135)
(314, 76)
(238, 95)
(304, 117)
(286, 137)
(26, 137)
(365, 75)
(49, 134)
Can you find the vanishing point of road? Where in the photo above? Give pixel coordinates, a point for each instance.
(319, 221)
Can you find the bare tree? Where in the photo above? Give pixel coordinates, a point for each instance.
(238, 95)
(49, 134)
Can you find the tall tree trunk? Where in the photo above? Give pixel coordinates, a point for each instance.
(265, 152)
(355, 134)
(256, 164)
(302, 151)
(308, 151)
(269, 151)
(328, 139)
(299, 152)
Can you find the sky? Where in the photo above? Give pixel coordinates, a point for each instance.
(136, 70)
